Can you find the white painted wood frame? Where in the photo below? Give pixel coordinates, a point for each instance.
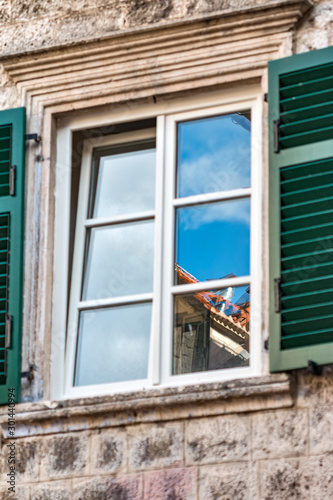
(160, 356)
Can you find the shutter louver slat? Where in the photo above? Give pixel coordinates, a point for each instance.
(304, 272)
(306, 106)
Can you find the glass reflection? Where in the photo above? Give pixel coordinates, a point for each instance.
(212, 241)
(214, 154)
(113, 344)
(125, 183)
(119, 260)
(211, 330)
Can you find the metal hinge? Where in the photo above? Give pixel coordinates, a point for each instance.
(314, 368)
(29, 375)
(8, 331)
(266, 97)
(33, 137)
(12, 179)
(277, 294)
(276, 131)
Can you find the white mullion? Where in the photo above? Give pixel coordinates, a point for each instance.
(121, 219)
(115, 301)
(210, 285)
(154, 366)
(169, 245)
(78, 261)
(200, 199)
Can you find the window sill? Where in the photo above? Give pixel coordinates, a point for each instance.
(157, 405)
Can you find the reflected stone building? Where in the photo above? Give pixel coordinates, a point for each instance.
(211, 332)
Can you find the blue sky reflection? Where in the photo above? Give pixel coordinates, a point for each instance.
(213, 155)
(213, 241)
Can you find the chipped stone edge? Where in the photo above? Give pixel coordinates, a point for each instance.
(238, 396)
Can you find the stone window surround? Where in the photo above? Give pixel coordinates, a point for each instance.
(58, 82)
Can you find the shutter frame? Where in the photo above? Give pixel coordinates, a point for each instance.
(14, 206)
(282, 359)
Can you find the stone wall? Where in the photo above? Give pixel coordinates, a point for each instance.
(283, 454)
(37, 24)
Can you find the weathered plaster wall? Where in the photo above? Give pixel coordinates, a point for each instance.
(250, 454)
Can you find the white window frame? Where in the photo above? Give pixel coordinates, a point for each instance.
(167, 115)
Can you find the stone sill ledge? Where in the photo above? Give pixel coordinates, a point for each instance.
(157, 405)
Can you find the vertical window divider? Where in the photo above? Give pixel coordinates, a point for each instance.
(169, 242)
(154, 366)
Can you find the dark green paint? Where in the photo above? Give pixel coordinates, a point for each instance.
(301, 209)
(12, 124)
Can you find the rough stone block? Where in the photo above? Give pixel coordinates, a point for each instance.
(321, 477)
(137, 13)
(313, 391)
(321, 430)
(26, 459)
(155, 446)
(21, 493)
(55, 490)
(227, 481)
(4, 11)
(28, 453)
(24, 11)
(108, 451)
(280, 434)
(213, 440)
(285, 479)
(120, 488)
(64, 455)
(180, 484)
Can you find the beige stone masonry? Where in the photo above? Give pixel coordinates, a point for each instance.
(260, 393)
(157, 61)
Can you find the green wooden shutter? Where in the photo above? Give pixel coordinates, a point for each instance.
(12, 153)
(301, 210)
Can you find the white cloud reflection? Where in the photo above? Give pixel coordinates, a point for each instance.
(126, 184)
(120, 261)
(233, 212)
(219, 171)
(113, 344)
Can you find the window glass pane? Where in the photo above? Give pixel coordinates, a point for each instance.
(212, 241)
(125, 183)
(113, 344)
(214, 154)
(211, 330)
(119, 260)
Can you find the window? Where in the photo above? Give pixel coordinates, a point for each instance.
(165, 264)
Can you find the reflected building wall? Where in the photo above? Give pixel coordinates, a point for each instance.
(210, 332)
